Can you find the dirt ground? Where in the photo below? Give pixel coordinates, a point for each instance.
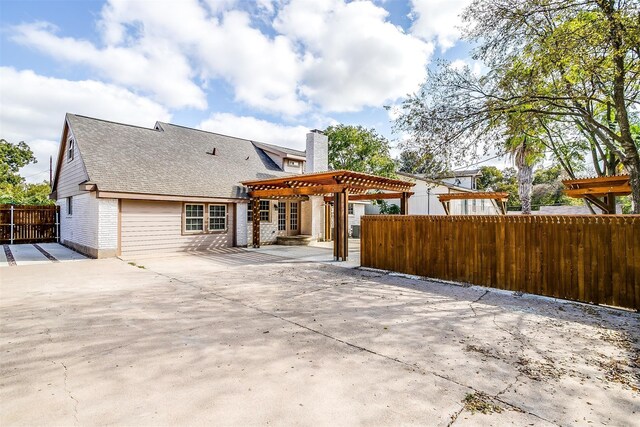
(248, 338)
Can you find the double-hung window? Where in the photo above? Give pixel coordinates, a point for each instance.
(194, 218)
(217, 217)
(265, 210)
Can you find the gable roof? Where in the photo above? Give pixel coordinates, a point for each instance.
(280, 150)
(169, 161)
(462, 173)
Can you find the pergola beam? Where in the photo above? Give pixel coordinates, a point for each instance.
(298, 191)
(373, 196)
(619, 190)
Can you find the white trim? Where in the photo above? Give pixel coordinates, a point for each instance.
(225, 216)
(203, 217)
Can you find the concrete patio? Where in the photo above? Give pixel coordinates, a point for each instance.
(249, 337)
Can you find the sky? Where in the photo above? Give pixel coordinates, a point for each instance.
(267, 70)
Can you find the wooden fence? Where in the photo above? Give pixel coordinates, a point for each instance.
(28, 224)
(584, 258)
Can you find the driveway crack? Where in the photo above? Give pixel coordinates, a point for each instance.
(66, 389)
(413, 367)
(477, 300)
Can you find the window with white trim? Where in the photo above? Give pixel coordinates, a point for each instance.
(217, 217)
(70, 148)
(69, 206)
(350, 208)
(265, 210)
(193, 217)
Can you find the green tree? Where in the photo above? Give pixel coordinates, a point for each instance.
(12, 158)
(558, 64)
(419, 162)
(491, 178)
(358, 149)
(25, 194)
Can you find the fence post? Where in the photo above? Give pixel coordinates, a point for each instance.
(11, 226)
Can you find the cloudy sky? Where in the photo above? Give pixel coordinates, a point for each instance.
(265, 69)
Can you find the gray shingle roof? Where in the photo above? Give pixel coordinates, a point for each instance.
(172, 161)
(285, 150)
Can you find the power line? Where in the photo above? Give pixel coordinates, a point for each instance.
(37, 173)
(477, 163)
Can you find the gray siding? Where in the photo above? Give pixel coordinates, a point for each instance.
(71, 172)
(156, 226)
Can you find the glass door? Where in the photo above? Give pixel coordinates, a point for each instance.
(294, 219)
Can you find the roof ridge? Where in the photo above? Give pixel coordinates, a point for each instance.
(278, 146)
(111, 121)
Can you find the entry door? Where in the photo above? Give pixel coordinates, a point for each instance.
(294, 219)
(288, 218)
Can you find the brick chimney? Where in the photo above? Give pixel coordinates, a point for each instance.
(317, 152)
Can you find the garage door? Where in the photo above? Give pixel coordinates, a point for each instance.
(156, 227)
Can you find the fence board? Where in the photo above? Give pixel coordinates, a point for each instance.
(31, 224)
(585, 258)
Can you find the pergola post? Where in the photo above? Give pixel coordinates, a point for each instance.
(341, 226)
(404, 203)
(255, 221)
(327, 221)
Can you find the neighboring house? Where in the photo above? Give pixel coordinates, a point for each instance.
(129, 190)
(463, 179)
(425, 200)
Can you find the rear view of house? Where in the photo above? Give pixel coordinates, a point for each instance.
(128, 190)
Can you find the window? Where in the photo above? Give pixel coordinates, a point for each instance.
(69, 206)
(293, 217)
(217, 217)
(70, 149)
(265, 210)
(194, 217)
(294, 163)
(350, 208)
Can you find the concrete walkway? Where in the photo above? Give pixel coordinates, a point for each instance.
(40, 253)
(321, 252)
(252, 338)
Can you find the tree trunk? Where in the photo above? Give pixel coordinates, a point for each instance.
(525, 178)
(633, 167)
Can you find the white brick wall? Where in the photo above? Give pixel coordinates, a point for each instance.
(107, 223)
(81, 226)
(241, 225)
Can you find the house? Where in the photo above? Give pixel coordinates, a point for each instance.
(129, 190)
(463, 178)
(425, 200)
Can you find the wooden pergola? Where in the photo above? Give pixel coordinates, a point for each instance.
(601, 191)
(342, 184)
(498, 197)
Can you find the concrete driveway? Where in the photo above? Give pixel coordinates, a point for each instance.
(37, 253)
(250, 338)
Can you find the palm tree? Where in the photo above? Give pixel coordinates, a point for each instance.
(525, 151)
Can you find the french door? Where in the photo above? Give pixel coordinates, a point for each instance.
(288, 218)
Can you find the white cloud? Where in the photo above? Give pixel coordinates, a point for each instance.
(155, 67)
(256, 129)
(438, 20)
(331, 55)
(474, 66)
(33, 109)
(353, 57)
